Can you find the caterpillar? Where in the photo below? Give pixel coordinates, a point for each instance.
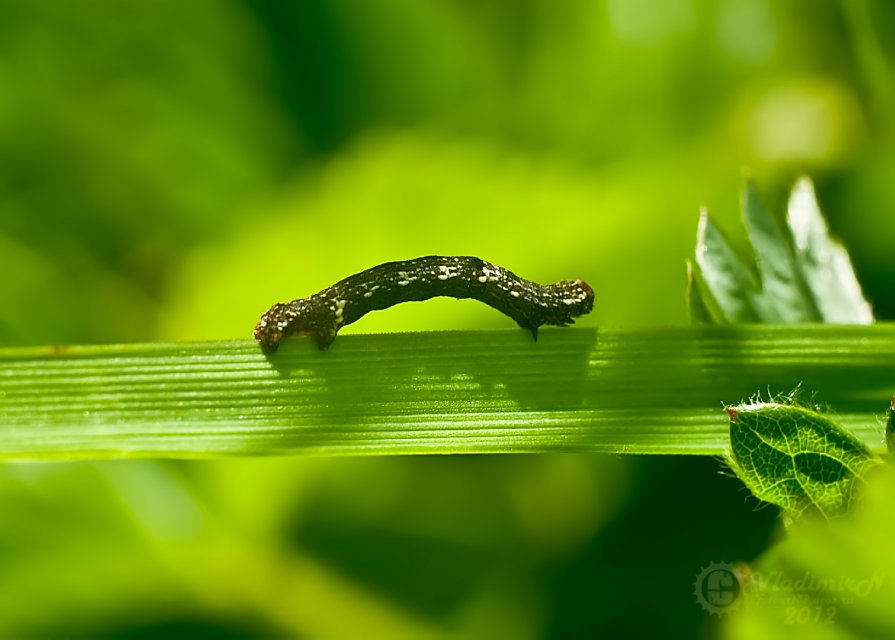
(323, 314)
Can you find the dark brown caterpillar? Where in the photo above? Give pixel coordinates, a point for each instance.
(323, 314)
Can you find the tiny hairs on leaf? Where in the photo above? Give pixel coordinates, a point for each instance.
(323, 314)
(797, 457)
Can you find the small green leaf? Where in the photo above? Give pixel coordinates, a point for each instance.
(700, 313)
(782, 297)
(803, 276)
(728, 282)
(796, 457)
(823, 262)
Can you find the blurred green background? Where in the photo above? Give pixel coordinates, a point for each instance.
(170, 169)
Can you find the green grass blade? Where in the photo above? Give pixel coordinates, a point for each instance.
(654, 390)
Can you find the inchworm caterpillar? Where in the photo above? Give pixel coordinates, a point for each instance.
(323, 314)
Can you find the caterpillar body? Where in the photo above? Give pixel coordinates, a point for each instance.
(323, 314)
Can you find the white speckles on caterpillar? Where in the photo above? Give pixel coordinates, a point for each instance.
(323, 314)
